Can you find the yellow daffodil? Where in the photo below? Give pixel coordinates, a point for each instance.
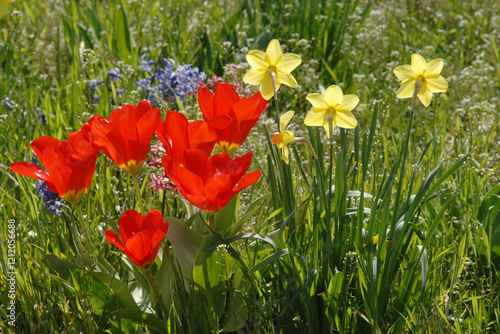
(271, 63)
(332, 109)
(284, 137)
(427, 73)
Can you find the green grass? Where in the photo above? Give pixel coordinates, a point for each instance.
(310, 265)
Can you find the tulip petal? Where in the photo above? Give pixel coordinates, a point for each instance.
(114, 239)
(247, 181)
(206, 102)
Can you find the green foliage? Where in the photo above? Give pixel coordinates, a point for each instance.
(394, 228)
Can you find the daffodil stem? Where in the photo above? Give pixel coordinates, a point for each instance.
(138, 193)
(405, 153)
(157, 294)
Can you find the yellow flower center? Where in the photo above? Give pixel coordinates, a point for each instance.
(272, 69)
(330, 111)
(277, 138)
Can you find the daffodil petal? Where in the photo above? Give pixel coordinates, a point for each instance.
(288, 137)
(345, 120)
(418, 63)
(404, 72)
(289, 62)
(257, 59)
(317, 100)
(425, 97)
(406, 90)
(437, 85)
(434, 67)
(274, 50)
(287, 79)
(333, 95)
(314, 118)
(285, 119)
(266, 88)
(349, 102)
(254, 77)
(327, 129)
(285, 154)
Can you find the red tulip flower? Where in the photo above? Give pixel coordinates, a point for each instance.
(141, 236)
(210, 183)
(125, 136)
(69, 164)
(178, 135)
(243, 112)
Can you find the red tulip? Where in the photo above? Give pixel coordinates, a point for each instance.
(210, 183)
(178, 135)
(70, 164)
(125, 136)
(141, 236)
(244, 113)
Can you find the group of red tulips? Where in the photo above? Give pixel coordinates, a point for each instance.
(208, 181)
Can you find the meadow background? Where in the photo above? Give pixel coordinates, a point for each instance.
(438, 274)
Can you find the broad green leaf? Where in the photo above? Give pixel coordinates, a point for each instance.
(186, 244)
(155, 325)
(119, 288)
(62, 267)
(123, 41)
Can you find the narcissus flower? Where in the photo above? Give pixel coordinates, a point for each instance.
(141, 236)
(210, 183)
(177, 135)
(273, 61)
(284, 137)
(332, 109)
(70, 164)
(427, 73)
(233, 117)
(125, 136)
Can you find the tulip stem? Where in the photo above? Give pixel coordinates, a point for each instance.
(86, 235)
(211, 221)
(155, 290)
(138, 192)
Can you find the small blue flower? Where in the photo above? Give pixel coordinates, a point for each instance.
(95, 84)
(51, 199)
(115, 74)
(41, 116)
(147, 66)
(8, 103)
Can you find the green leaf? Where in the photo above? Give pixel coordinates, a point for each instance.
(123, 41)
(155, 324)
(62, 267)
(119, 288)
(186, 244)
(242, 236)
(268, 260)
